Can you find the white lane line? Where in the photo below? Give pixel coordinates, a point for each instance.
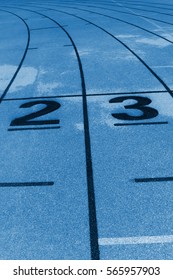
(136, 240)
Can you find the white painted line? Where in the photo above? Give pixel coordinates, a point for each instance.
(136, 240)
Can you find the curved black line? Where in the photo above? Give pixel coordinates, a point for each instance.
(149, 11)
(132, 1)
(163, 8)
(142, 16)
(120, 20)
(137, 3)
(129, 13)
(153, 3)
(23, 58)
(113, 3)
(95, 254)
(123, 12)
(104, 8)
(122, 43)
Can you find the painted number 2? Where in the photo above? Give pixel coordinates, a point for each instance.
(50, 106)
(140, 104)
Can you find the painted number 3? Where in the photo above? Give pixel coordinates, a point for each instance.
(140, 104)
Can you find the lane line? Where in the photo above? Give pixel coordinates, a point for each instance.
(43, 28)
(136, 240)
(32, 48)
(118, 19)
(26, 184)
(159, 179)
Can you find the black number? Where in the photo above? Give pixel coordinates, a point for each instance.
(28, 119)
(157, 271)
(141, 104)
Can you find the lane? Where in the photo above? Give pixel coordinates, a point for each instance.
(44, 210)
(127, 209)
(43, 222)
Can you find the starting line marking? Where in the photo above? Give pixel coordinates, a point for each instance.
(136, 240)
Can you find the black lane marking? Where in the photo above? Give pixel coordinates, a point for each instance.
(68, 45)
(33, 49)
(128, 48)
(142, 16)
(149, 11)
(95, 254)
(33, 128)
(123, 12)
(139, 4)
(26, 184)
(139, 15)
(118, 19)
(23, 58)
(43, 28)
(157, 179)
(77, 95)
(132, 24)
(148, 6)
(142, 123)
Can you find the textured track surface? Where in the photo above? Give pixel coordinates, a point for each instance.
(86, 109)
